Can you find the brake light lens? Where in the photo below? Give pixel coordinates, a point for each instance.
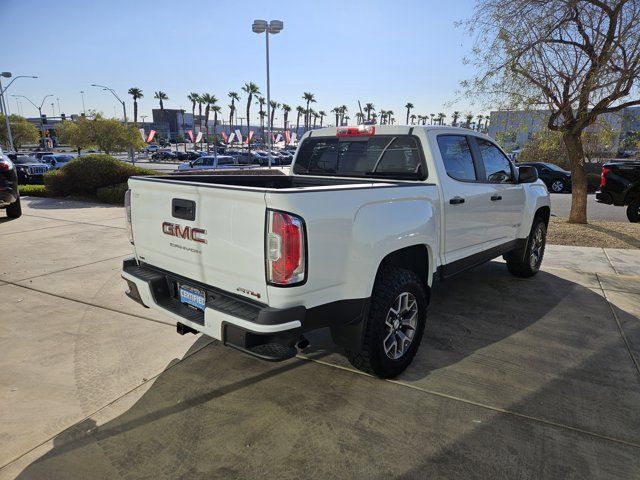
(603, 176)
(359, 131)
(286, 263)
(5, 165)
(127, 214)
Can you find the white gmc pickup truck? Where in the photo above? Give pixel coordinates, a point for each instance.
(352, 240)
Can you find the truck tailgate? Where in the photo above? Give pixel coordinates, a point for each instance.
(228, 250)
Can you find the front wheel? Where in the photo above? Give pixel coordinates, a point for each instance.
(395, 325)
(633, 211)
(557, 186)
(526, 263)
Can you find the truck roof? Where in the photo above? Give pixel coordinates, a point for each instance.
(395, 130)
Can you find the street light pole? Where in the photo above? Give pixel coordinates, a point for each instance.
(39, 108)
(3, 105)
(84, 112)
(273, 27)
(124, 111)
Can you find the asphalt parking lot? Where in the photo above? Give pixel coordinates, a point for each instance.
(515, 378)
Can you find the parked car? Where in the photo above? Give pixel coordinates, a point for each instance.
(556, 179)
(29, 169)
(163, 155)
(56, 161)
(620, 186)
(9, 194)
(152, 148)
(188, 156)
(209, 163)
(351, 240)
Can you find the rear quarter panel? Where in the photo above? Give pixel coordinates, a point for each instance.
(350, 231)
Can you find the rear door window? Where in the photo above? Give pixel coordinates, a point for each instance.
(392, 156)
(457, 158)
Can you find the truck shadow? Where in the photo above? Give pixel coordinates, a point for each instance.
(41, 203)
(554, 352)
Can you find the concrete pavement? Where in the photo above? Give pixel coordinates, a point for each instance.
(515, 378)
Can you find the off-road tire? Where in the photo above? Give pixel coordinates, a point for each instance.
(15, 209)
(390, 283)
(520, 262)
(633, 211)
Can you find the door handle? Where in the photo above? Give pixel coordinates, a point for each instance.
(456, 200)
(496, 197)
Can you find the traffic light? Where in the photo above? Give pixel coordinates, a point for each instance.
(43, 117)
(62, 117)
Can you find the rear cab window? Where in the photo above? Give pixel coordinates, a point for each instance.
(386, 156)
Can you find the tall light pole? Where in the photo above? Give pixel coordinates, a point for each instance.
(124, 111)
(84, 112)
(59, 109)
(3, 106)
(272, 27)
(39, 108)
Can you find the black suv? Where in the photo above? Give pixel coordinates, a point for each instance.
(9, 195)
(28, 168)
(555, 178)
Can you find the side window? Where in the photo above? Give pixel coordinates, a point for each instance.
(456, 155)
(496, 165)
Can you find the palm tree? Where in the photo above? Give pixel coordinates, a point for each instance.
(193, 98)
(432, 115)
(389, 117)
(250, 89)
(161, 96)
(413, 119)
(208, 101)
(232, 108)
(383, 116)
(312, 113)
(336, 112)
(408, 106)
(216, 110)
(343, 111)
(136, 93)
(274, 106)
(456, 116)
(200, 103)
(468, 118)
(369, 108)
(374, 118)
(286, 109)
(322, 114)
(309, 98)
(480, 118)
(359, 118)
(300, 111)
(260, 102)
(441, 118)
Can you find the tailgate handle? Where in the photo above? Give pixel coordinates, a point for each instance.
(184, 209)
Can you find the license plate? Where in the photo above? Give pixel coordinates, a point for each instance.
(192, 296)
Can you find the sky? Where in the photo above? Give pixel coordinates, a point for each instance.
(379, 51)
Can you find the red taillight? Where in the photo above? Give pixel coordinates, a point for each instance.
(359, 131)
(603, 176)
(285, 248)
(5, 165)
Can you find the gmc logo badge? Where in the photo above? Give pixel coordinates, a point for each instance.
(187, 233)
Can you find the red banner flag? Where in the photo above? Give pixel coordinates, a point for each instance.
(287, 137)
(190, 135)
(151, 135)
(224, 136)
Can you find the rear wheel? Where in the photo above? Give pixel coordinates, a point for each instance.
(395, 325)
(633, 211)
(526, 263)
(15, 209)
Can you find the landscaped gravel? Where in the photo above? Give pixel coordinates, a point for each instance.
(594, 234)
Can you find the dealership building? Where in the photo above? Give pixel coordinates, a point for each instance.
(516, 127)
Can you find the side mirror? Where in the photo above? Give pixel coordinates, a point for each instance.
(191, 164)
(527, 174)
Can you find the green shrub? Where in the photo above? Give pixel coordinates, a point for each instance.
(112, 193)
(33, 191)
(85, 175)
